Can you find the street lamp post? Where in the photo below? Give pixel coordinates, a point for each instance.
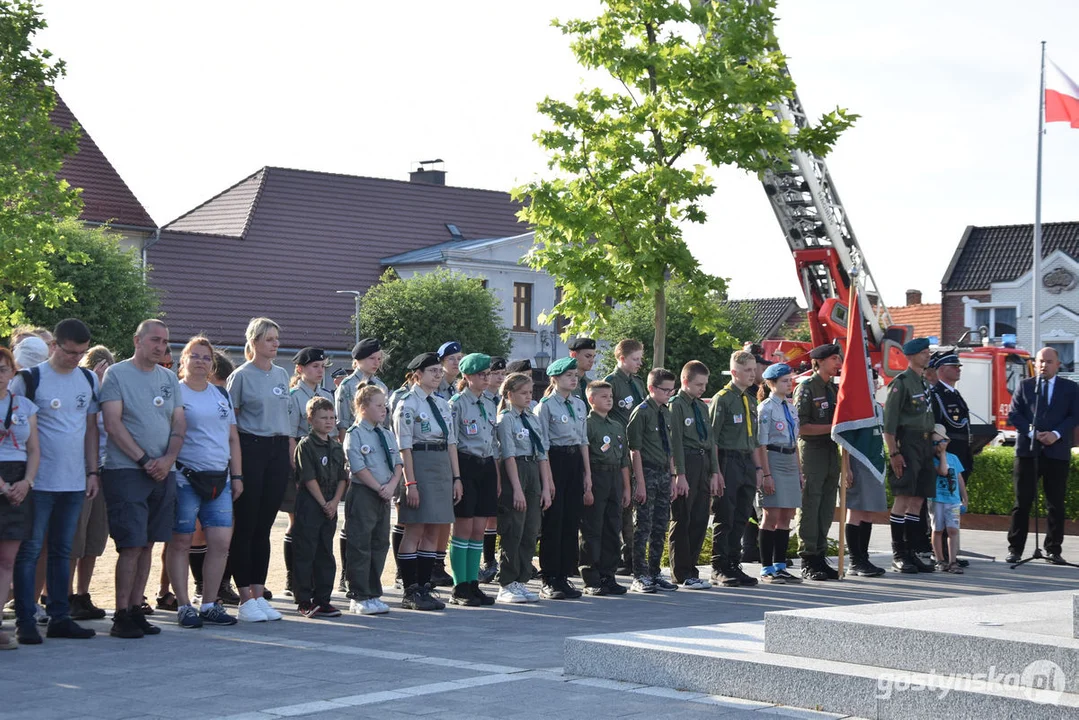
(355, 294)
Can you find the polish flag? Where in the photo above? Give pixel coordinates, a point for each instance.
(1061, 96)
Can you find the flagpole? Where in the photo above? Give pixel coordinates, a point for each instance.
(1035, 275)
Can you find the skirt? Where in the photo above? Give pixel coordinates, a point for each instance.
(16, 521)
(434, 478)
(788, 494)
(867, 493)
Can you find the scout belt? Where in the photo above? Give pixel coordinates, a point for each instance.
(781, 450)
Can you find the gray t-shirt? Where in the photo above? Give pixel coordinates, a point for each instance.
(63, 400)
(149, 399)
(209, 420)
(13, 439)
(260, 398)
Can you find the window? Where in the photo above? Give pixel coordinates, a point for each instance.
(1066, 351)
(560, 322)
(522, 307)
(483, 283)
(999, 320)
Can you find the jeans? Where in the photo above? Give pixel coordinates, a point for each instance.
(56, 513)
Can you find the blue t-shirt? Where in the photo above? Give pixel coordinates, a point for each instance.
(948, 487)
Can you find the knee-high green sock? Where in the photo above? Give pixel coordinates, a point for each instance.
(475, 555)
(459, 559)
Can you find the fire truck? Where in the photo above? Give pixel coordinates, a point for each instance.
(826, 254)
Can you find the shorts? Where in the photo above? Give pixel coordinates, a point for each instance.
(479, 481)
(16, 521)
(92, 533)
(944, 515)
(191, 506)
(919, 478)
(141, 511)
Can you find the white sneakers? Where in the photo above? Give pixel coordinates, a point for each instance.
(516, 592)
(251, 612)
(371, 606)
(267, 609)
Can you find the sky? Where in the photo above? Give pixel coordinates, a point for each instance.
(186, 99)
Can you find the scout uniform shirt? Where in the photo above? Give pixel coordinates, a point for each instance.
(815, 400)
(777, 424)
(321, 460)
(298, 398)
(416, 420)
(372, 448)
(629, 392)
(475, 418)
(691, 431)
(908, 405)
(606, 442)
(514, 437)
(445, 388)
(650, 432)
(345, 397)
(561, 421)
(733, 415)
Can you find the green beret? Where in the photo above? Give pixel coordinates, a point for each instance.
(560, 366)
(474, 363)
(915, 346)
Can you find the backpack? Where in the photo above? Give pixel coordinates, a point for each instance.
(32, 378)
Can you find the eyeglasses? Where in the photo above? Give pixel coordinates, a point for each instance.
(667, 391)
(201, 358)
(435, 370)
(71, 353)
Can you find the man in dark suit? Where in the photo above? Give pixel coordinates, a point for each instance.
(1050, 436)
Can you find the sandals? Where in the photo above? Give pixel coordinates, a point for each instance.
(167, 602)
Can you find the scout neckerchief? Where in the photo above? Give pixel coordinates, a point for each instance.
(637, 399)
(438, 417)
(663, 433)
(479, 403)
(537, 446)
(569, 407)
(698, 419)
(385, 447)
(790, 420)
(749, 421)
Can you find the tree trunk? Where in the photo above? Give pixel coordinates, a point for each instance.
(659, 340)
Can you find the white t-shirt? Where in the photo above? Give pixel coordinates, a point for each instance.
(209, 419)
(13, 439)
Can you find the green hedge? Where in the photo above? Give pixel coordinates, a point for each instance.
(990, 485)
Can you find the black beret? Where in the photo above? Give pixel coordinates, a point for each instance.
(519, 366)
(582, 343)
(498, 363)
(824, 351)
(423, 361)
(365, 348)
(308, 355)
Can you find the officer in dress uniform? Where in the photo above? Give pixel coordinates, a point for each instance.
(908, 427)
(583, 350)
(951, 411)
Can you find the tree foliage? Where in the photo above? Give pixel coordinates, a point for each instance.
(609, 219)
(420, 313)
(111, 294)
(684, 342)
(32, 197)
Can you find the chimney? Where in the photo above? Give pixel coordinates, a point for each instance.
(914, 297)
(429, 172)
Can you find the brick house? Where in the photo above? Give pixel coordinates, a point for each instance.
(923, 317)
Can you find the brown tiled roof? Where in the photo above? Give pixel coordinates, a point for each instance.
(925, 318)
(768, 314)
(281, 241)
(1002, 253)
(105, 195)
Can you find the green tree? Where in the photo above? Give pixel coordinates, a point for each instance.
(111, 294)
(33, 199)
(684, 342)
(420, 313)
(625, 177)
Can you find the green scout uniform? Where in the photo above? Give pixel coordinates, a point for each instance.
(312, 532)
(815, 401)
(519, 438)
(629, 391)
(733, 415)
(908, 414)
(298, 398)
(601, 523)
(695, 456)
(650, 434)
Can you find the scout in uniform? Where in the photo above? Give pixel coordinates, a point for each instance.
(697, 464)
(490, 535)
(321, 470)
(583, 350)
(449, 355)
(601, 522)
(733, 414)
(780, 493)
(951, 411)
(656, 482)
(526, 489)
(561, 418)
(815, 400)
(376, 469)
(306, 384)
(908, 425)
(425, 432)
(474, 416)
(629, 392)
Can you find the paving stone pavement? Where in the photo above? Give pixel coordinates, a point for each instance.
(499, 662)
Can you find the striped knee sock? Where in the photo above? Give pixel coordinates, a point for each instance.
(407, 564)
(897, 522)
(459, 548)
(425, 560)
